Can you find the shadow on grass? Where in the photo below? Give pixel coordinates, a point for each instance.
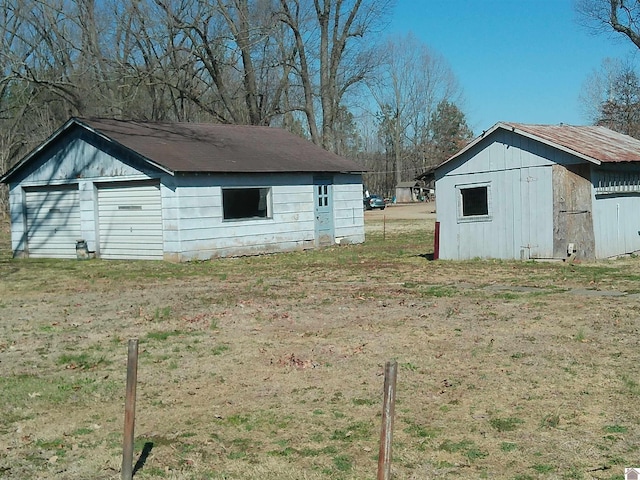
(146, 451)
(427, 256)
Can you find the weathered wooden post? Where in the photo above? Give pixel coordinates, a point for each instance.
(436, 242)
(384, 227)
(388, 408)
(130, 410)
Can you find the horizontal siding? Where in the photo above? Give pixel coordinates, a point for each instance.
(191, 208)
(78, 159)
(204, 234)
(130, 222)
(348, 212)
(53, 223)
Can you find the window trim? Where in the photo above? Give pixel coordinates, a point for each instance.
(269, 209)
(459, 203)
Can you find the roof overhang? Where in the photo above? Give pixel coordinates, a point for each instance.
(9, 173)
(69, 124)
(121, 146)
(519, 131)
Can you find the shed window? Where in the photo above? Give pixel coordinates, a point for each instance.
(246, 203)
(474, 202)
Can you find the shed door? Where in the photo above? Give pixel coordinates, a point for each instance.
(53, 221)
(130, 221)
(572, 218)
(528, 216)
(324, 211)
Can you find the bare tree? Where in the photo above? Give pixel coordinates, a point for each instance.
(296, 19)
(292, 62)
(412, 80)
(332, 54)
(611, 97)
(621, 16)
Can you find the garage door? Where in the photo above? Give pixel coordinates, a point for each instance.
(130, 221)
(53, 221)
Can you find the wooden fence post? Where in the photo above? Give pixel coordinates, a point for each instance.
(436, 242)
(130, 410)
(384, 227)
(388, 408)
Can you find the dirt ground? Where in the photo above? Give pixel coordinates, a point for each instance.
(271, 367)
(397, 217)
(406, 211)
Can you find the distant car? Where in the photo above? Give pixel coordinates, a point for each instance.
(374, 201)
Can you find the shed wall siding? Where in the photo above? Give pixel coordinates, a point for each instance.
(616, 224)
(521, 220)
(404, 195)
(506, 151)
(17, 216)
(347, 209)
(572, 212)
(205, 234)
(76, 159)
(519, 172)
(73, 161)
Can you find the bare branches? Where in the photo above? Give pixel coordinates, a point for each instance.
(295, 62)
(412, 81)
(611, 97)
(621, 16)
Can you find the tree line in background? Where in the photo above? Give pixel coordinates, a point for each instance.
(611, 95)
(315, 67)
(319, 68)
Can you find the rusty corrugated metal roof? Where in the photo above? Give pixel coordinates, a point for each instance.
(214, 148)
(591, 143)
(598, 143)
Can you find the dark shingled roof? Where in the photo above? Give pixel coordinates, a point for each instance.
(209, 148)
(214, 148)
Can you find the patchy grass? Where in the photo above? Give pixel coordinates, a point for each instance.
(272, 367)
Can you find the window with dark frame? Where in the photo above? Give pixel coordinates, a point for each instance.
(475, 201)
(245, 203)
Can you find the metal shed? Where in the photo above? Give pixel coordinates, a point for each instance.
(540, 192)
(180, 191)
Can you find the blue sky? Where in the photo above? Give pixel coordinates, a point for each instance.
(516, 60)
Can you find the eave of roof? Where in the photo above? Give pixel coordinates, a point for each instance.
(18, 166)
(407, 184)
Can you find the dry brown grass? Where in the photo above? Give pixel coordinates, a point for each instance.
(271, 367)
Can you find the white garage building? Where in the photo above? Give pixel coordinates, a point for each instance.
(131, 190)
